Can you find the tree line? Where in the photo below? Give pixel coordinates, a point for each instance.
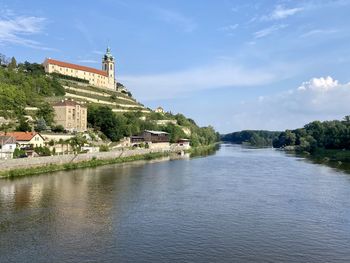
(256, 138)
(317, 135)
(115, 126)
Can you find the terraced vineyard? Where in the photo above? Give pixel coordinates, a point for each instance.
(118, 101)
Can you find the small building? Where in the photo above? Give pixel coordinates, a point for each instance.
(71, 115)
(159, 110)
(27, 139)
(152, 139)
(90, 149)
(185, 143)
(7, 146)
(155, 136)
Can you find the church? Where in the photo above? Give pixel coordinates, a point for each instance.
(104, 78)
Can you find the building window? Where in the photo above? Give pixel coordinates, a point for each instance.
(110, 67)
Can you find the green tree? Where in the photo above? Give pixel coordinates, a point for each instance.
(23, 125)
(77, 142)
(40, 125)
(46, 112)
(13, 64)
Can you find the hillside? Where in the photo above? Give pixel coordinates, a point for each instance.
(27, 94)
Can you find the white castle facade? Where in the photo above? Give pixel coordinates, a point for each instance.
(104, 78)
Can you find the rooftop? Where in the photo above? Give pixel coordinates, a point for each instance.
(77, 67)
(156, 132)
(6, 139)
(67, 103)
(21, 136)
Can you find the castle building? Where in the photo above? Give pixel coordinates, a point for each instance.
(71, 115)
(104, 78)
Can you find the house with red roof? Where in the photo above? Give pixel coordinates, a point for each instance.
(27, 139)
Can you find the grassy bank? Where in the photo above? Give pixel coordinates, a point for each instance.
(70, 166)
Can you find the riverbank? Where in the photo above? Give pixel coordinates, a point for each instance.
(15, 173)
(339, 159)
(32, 166)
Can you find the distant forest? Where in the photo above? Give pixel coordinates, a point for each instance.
(256, 138)
(327, 135)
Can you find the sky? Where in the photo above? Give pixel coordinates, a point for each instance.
(232, 64)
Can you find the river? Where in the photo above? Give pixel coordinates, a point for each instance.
(237, 205)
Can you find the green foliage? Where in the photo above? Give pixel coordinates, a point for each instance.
(77, 142)
(116, 126)
(40, 125)
(31, 68)
(256, 138)
(61, 76)
(28, 85)
(42, 151)
(46, 112)
(13, 64)
(58, 128)
(18, 153)
(12, 100)
(23, 125)
(104, 148)
(175, 132)
(317, 135)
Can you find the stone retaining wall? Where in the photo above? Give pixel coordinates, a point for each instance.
(10, 164)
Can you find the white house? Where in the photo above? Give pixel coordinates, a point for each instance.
(7, 146)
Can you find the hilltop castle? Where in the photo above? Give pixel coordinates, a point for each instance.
(104, 78)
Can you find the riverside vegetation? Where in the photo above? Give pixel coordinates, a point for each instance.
(254, 138)
(325, 141)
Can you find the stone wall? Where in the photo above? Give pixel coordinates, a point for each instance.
(6, 165)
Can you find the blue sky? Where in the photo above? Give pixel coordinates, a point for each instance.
(272, 64)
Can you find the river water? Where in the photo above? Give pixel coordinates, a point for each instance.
(238, 205)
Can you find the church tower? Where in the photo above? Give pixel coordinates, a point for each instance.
(108, 66)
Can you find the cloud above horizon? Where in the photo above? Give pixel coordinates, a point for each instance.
(281, 12)
(17, 29)
(317, 99)
(268, 31)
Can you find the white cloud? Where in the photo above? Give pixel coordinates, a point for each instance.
(319, 32)
(319, 84)
(171, 17)
(316, 99)
(16, 30)
(281, 12)
(268, 31)
(229, 27)
(177, 84)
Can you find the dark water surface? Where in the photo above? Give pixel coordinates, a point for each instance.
(239, 205)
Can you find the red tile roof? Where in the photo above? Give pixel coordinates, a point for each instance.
(77, 67)
(21, 136)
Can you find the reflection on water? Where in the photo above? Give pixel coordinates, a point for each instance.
(238, 205)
